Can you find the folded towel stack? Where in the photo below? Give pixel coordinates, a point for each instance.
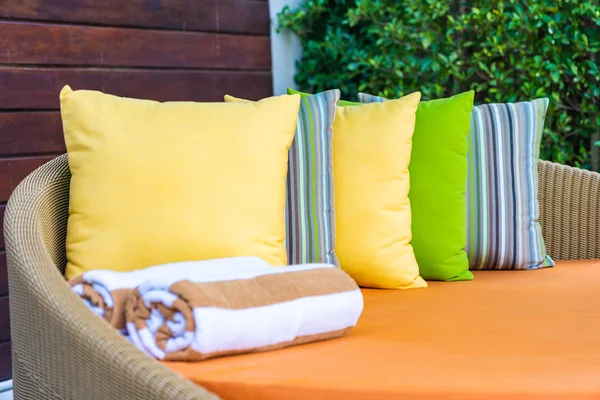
(198, 310)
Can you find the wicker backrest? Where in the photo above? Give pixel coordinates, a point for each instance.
(570, 211)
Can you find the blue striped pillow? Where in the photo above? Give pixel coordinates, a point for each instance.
(503, 231)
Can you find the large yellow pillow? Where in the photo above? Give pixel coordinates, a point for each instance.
(371, 152)
(165, 182)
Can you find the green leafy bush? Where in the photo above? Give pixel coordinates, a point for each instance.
(507, 50)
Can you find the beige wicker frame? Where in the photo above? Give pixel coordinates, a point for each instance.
(62, 351)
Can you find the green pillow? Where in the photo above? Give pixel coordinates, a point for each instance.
(438, 182)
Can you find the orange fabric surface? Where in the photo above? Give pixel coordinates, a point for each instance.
(505, 335)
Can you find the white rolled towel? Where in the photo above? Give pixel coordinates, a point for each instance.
(243, 311)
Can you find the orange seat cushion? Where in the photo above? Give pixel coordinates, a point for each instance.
(505, 335)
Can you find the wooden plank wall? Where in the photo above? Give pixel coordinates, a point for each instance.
(154, 49)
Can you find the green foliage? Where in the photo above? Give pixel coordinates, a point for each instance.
(506, 50)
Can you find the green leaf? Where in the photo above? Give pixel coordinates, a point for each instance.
(574, 69)
(426, 42)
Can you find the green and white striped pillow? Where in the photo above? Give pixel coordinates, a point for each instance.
(310, 212)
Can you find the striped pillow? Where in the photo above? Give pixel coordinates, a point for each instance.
(310, 213)
(503, 231)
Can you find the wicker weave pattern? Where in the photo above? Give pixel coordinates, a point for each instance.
(570, 211)
(63, 351)
(60, 349)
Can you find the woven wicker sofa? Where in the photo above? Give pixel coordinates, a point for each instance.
(63, 351)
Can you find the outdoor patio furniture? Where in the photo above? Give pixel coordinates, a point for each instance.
(61, 350)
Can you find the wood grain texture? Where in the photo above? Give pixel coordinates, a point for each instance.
(4, 319)
(5, 362)
(31, 133)
(236, 16)
(247, 16)
(38, 88)
(14, 170)
(49, 44)
(3, 274)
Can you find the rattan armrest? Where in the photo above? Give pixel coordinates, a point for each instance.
(570, 211)
(61, 350)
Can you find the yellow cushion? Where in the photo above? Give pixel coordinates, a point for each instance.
(371, 152)
(165, 182)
